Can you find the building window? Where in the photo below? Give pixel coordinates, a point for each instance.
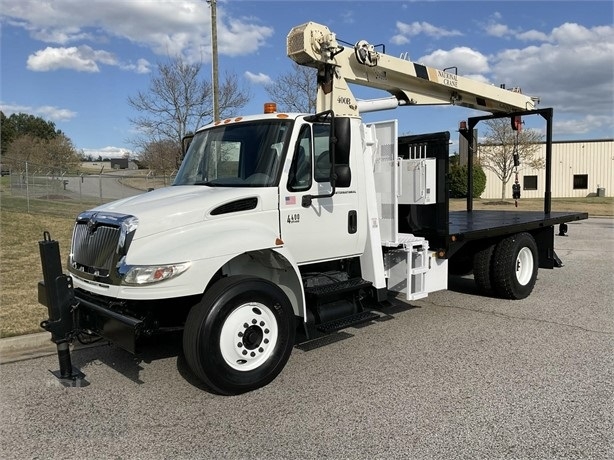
(529, 182)
(580, 181)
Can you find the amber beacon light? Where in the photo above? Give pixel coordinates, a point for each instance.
(270, 107)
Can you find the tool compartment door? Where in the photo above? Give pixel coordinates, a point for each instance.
(386, 175)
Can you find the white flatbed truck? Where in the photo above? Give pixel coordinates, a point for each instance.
(282, 227)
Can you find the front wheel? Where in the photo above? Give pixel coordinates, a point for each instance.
(515, 266)
(240, 335)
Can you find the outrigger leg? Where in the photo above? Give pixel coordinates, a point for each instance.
(56, 293)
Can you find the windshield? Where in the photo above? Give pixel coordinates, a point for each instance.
(236, 155)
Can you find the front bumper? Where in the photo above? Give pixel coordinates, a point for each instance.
(97, 316)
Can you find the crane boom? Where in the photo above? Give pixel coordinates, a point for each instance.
(410, 83)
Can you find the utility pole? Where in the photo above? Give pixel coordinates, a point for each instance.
(216, 106)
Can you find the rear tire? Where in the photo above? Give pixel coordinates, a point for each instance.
(515, 266)
(483, 269)
(240, 335)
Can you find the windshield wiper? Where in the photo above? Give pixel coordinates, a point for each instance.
(207, 183)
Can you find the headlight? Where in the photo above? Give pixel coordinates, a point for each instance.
(147, 274)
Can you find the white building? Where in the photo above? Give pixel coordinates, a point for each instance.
(579, 169)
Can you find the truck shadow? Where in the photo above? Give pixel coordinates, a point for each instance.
(170, 346)
(463, 285)
(125, 363)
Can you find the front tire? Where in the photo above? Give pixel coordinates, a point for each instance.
(240, 335)
(515, 266)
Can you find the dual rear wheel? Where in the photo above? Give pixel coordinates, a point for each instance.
(508, 268)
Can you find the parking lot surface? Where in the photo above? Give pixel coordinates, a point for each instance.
(451, 376)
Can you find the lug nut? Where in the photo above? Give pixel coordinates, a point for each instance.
(245, 325)
(254, 321)
(266, 340)
(252, 354)
(261, 323)
(244, 352)
(260, 349)
(240, 334)
(266, 331)
(239, 344)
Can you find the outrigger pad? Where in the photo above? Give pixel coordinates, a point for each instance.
(75, 380)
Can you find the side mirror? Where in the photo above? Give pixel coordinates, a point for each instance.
(185, 143)
(344, 176)
(341, 139)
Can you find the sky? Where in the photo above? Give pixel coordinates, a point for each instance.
(77, 62)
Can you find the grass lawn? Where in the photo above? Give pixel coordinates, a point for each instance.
(20, 267)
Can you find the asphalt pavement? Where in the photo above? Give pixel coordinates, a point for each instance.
(451, 376)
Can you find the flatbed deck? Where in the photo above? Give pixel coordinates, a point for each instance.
(483, 224)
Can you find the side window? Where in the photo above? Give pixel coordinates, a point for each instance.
(321, 142)
(299, 177)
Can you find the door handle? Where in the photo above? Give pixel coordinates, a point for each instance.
(352, 222)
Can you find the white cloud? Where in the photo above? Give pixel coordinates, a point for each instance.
(570, 68)
(238, 38)
(46, 112)
(108, 152)
(348, 17)
(533, 35)
(424, 28)
(572, 72)
(61, 36)
(142, 66)
(259, 78)
(582, 124)
(468, 61)
(167, 28)
(498, 30)
(50, 112)
(81, 59)
(399, 40)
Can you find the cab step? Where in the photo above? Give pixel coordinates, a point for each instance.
(336, 288)
(347, 321)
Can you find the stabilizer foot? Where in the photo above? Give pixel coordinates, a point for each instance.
(68, 375)
(76, 379)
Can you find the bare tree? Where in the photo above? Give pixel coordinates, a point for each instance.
(497, 150)
(179, 101)
(61, 154)
(295, 91)
(162, 157)
(56, 155)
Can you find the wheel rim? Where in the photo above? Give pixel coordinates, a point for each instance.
(248, 336)
(524, 266)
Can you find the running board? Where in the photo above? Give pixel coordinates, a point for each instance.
(341, 287)
(342, 323)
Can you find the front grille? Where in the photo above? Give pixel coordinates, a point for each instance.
(100, 241)
(94, 250)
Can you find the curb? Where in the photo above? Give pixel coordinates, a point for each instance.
(29, 346)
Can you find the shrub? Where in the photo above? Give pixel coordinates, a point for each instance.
(458, 181)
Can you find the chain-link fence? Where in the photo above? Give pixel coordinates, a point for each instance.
(28, 185)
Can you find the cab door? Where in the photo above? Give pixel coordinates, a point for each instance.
(327, 228)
